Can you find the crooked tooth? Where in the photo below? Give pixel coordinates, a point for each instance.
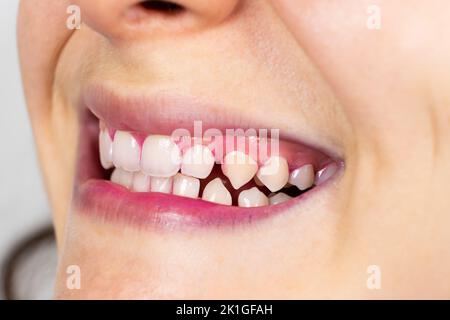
(239, 168)
(185, 186)
(274, 173)
(105, 148)
(216, 192)
(126, 151)
(279, 198)
(197, 162)
(252, 198)
(161, 157)
(122, 177)
(163, 185)
(303, 177)
(141, 182)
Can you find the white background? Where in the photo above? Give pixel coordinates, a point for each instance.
(23, 203)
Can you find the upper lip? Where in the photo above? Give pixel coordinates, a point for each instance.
(160, 113)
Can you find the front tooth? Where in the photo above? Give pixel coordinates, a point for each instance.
(122, 177)
(163, 185)
(161, 157)
(141, 182)
(303, 177)
(239, 168)
(105, 147)
(126, 151)
(252, 198)
(216, 192)
(197, 162)
(186, 186)
(279, 198)
(274, 173)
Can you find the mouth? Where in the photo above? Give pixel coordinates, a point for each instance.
(165, 160)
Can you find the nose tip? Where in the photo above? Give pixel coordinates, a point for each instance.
(131, 19)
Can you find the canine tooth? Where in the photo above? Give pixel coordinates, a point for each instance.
(274, 173)
(197, 162)
(163, 185)
(326, 173)
(141, 182)
(126, 151)
(105, 148)
(252, 198)
(303, 177)
(161, 157)
(122, 177)
(279, 198)
(239, 168)
(216, 192)
(185, 186)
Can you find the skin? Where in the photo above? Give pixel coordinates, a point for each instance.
(378, 98)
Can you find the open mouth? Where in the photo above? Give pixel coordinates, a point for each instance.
(159, 161)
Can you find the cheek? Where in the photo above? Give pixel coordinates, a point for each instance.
(363, 64)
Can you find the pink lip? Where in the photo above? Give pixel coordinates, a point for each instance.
(111, 202)
(97, 197)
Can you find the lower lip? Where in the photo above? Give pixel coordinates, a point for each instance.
(113, 203)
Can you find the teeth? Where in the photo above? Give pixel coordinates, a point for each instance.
(163, 185)
(303, 177)
(126, 151)
(279, 198)
(252, 198)
(326, 173)
(197, 162)
(141, 182)
(186, 186)
(274, 173)
(161, 157)
(122, 177)
(216, 192)
(105, 146)
(239, 168)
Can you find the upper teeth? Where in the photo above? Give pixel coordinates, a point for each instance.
(198, 162)
(239, 168)
(156, 165)
(161, 157)
(274, 173)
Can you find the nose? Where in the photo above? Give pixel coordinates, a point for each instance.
(132, 19)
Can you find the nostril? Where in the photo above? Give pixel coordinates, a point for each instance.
(166, 7)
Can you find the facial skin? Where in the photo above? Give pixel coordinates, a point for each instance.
(380, 99)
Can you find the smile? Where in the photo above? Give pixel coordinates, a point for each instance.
(172, 168)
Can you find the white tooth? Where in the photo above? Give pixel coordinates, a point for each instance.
(326, 173)
(197, 162)
(274, 173)
(279, 198)
(185, 186)
(105, 146)
(216, 192)
(252, 198)
(141, 182)
(161, 157)
(239, 168)
(122, 177)
(163, 185)
(126, 151)
(303, 177)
